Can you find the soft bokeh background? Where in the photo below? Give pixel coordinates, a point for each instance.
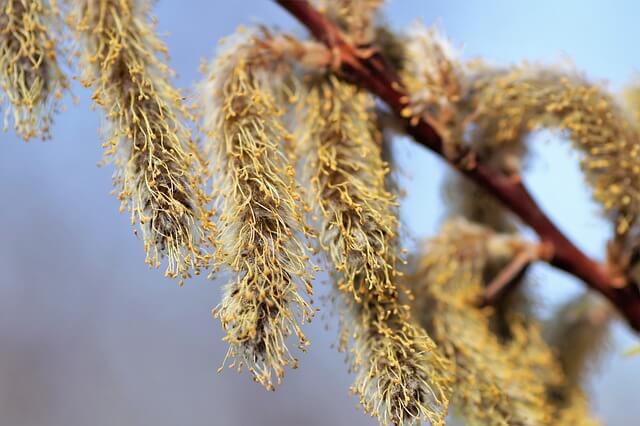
(90, 336)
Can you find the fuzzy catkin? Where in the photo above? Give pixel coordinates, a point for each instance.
(435, 78)
(261, 231)
(579, 331)
(400, 377)
(30, 75)
(504, 107)
(497, 383)
(516, 379)
(355, 212)
(158, 173)
(356, 17)
(492, 111)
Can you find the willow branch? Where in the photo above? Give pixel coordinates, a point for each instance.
(372, 72)
(508, 277)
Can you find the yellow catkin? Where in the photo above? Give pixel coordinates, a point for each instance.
(355, 212)
(574, 410)
(496, 383)
(440, 83)
(504, 107)
(30, 75)
(434, 76)
(261, 229)
(355, 17)
(492, 111)
(579, 331)
(400, 377)
(523, 332)
(158, 173)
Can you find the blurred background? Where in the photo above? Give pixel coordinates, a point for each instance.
(90, 335)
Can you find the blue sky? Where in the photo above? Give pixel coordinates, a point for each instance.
(89, 335)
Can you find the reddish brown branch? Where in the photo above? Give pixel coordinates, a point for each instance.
(502, 283)
(372, 72)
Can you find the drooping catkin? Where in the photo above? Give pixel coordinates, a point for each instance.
(400, 377)
(492, 111)
(574, 410)
(496, 383)
(504, 107)
(435, 78)
(579, 332)
(261, 231)
(355, 212)
(356, 17)
(30, 75)
(158, 169)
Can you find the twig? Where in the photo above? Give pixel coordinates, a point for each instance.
(505, 281)
(510, 275)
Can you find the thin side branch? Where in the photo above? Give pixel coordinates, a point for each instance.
(508, 277)
(372, 72)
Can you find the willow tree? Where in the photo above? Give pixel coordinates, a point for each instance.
(280, 169)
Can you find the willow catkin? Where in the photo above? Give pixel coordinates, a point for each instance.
(434, 77)
(356, 17)
(30, 75)
(492, 111)
(496, 384)
(158, 172)
(262, 229)
(504, 107)
(355, 212)
(530, 384)
(498, 115)
(579, 331)
(400, 377)
(574, 410)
